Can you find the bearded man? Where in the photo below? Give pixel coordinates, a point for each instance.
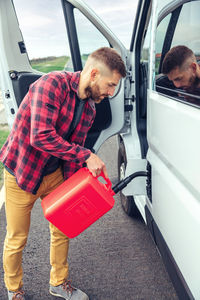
(181, 67)
(39, 155)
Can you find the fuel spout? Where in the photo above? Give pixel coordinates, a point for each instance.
(123, 183)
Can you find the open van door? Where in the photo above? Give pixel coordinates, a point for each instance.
(80, 22)
(85, 33)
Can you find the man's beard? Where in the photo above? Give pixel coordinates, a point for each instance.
(193, 91)
(94, 93)
(195, 84)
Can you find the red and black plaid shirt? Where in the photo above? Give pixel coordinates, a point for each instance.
(40, 126)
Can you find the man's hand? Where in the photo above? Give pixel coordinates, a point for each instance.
(96, 165)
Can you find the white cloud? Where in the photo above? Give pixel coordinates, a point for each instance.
(33, 21)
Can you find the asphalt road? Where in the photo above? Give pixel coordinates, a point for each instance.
(114, 259)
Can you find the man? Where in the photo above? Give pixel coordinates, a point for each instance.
(181, 67)
(36, 149)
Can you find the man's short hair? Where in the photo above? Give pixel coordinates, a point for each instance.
(176, 57)
(110, 58)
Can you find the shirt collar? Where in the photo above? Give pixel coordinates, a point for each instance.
(74, 82)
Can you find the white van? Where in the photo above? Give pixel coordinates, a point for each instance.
(157, 128)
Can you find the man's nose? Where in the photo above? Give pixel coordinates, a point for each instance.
(177, 84)
(111, 91)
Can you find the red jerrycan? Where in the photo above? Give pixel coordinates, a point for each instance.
(78, 202)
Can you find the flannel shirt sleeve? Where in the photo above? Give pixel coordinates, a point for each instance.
(45, 105)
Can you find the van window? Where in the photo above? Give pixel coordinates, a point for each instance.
(118, 15)
(160, 36)
(181, 26)
(89, 37)
(46, 37)
(188, 27)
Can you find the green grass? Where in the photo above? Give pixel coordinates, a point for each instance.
(3, 136)
(54, 63)
(48, 64)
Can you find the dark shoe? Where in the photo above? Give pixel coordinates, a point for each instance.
(66, 291)
(19, 295)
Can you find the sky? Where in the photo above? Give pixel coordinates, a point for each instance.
(44, 32)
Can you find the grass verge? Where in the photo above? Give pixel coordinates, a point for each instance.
(49, 64)
(3, 136)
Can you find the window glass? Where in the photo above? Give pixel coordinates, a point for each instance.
(146, 45)
(118, 15)
(188, 27)
(162, 4)
(43, 28)
(89, 36)
(143, 72)
(186, 32)
(144, 58)
(160, 36)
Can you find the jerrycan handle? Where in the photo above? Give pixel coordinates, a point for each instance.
(108, 185)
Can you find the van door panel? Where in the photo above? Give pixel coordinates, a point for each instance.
(111, 108)
(173, 139)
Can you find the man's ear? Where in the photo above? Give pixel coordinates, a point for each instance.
(194, 66)
(94, 74)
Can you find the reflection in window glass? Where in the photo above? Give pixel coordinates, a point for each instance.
(186, 33)
(188, 27)
(43, 28)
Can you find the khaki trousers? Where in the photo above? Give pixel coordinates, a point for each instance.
(18, 205)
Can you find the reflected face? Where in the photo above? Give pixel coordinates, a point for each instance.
(103, 86)
(184, 79)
